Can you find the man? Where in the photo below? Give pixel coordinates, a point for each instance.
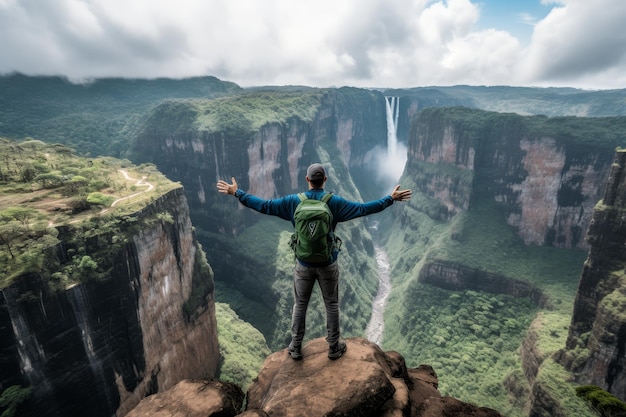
(325, 273)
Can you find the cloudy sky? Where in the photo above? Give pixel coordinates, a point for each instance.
(362, 43)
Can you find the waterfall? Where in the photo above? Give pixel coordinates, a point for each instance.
(391, 163)
(392, 105)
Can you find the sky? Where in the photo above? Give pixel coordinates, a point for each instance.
(322, 43)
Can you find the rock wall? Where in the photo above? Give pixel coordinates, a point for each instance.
(596, 346)
(545, 182)
(99, 347)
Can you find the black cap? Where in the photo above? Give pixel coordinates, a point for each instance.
(316, 172)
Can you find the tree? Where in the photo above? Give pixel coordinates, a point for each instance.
(602, 401)
(100, 199)
(49, 180)
(10, 231)
(22, 214)
(87, 263)
(75, 184)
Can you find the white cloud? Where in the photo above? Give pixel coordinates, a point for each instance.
(579, 40)
(486, 58)
(383, 43)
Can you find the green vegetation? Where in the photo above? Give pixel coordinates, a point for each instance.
(96, 118)
(490, 127)
(469, 337)
(605, 403)
(11, 399)
(242, 347)
(248, 112)
(554, 382)
(46, 186)
(201, 286)
(472, 338)
(525, 100)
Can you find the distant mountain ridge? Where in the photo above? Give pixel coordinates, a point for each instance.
(96, 118)
(108, 111)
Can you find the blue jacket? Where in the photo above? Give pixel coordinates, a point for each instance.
(342, 209)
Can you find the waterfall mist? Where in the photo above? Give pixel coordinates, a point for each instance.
(390, 162)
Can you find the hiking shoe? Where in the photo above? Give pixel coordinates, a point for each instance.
(295, 352)
(335, 351)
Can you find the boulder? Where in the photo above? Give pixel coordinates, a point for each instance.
(193, 398)
(365, 381)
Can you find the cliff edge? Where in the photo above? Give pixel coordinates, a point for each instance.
(597, 338)
(365, 381)
(105, 294)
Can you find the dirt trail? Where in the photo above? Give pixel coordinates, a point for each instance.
(138, 183)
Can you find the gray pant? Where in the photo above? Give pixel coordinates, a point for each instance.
(303, 282)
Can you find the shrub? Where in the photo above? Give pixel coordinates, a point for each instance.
(604, 402)
(100, 199)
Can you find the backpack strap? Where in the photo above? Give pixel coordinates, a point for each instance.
(324, 198)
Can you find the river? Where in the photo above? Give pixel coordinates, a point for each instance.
(376, 325)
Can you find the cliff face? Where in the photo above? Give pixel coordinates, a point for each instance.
(546, 184)
(596, 345)
(98, 347)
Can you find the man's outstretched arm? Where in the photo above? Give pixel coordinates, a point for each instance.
(281, 207)
(226, 188)
(347, 210)
(400, 195)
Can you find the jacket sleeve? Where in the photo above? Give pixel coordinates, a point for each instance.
(280, 207)
(344, 210)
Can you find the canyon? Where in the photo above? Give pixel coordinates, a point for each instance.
(534, 180)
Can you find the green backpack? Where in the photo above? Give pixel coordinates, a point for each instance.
(313, 239)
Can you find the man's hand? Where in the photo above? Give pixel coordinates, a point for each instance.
(400, 195)
(226, 188)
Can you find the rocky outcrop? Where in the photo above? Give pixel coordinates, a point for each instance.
(596, 346)
(365, 381)
(193, 398)
(97, 348)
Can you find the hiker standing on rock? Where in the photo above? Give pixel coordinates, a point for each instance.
(315, 215)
